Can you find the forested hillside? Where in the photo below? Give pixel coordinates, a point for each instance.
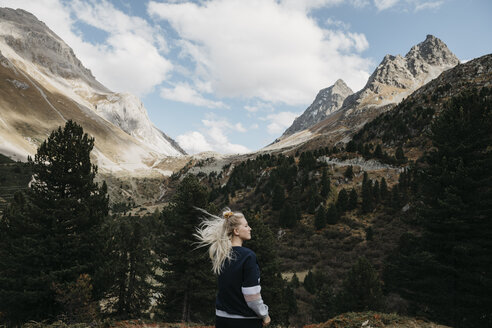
(395, 225)
(422, 221)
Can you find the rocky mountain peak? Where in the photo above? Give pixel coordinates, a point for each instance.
(326, 102)
(340, 87)
(42, 75)
(433, 51)
(396, 76)
(33, 41)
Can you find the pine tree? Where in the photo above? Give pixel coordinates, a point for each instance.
(361, 289)
(367, 196)
(132, 263)
(309, 283)
(264, 244)
(376, 192)
(378, 153)
(52, 236)
(320, 218)
(342, 202)
(278, 197)
(353, 199)
(400, 155)
(314, 200)
(349, 172)
(288, 216)
(325, 184)
(332, 215)
(383, 189)
(324, 304)
(187, 280)
(294, 282)
(351, 147)
(396, 201)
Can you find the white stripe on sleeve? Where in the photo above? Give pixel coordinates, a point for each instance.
(251, 290)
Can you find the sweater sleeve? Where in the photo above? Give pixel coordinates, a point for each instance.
(251, 287)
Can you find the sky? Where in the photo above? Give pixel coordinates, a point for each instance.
(230, 76)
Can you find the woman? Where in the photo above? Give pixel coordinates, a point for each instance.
(238, 303)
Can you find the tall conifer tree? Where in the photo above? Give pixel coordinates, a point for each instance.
(53, 235)
(367, 194)
(132, 264)
(187, 279)
(353, 199)
(361, 289)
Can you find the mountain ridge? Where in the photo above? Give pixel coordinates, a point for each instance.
(395, 77)
(43, 68)
(327, 101)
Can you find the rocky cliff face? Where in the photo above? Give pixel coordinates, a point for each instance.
(33, 41)
(418, 111)
(44, 84)
(395, 78)
(327, 101)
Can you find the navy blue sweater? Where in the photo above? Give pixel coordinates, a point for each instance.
(240, 274)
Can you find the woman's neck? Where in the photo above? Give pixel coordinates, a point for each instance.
(236, 241)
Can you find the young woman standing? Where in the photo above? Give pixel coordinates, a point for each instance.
(238, 303)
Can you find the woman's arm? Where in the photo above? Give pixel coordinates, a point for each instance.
(251, 287)
(252, 296)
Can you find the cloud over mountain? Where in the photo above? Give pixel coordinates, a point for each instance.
(265, 49)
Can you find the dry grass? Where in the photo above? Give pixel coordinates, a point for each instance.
(374, 319)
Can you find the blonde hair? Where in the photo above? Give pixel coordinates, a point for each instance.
(216, 232)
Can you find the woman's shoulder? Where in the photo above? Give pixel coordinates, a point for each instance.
(245, 252)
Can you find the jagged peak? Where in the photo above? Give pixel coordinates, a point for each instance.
(339, 87)
(340, 82)
(34, 41)
(433, 50)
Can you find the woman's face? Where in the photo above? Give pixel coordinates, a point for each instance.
(243, 231)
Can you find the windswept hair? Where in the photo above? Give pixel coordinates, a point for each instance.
(216, 232)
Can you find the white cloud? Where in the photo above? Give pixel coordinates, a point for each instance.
(337, 23)
(347, 42)
(104, 16)
(259, 106)
(264, 49)
(360, 3)
(193, 142)
(213, 137)
(408, 5)
(384, 4)
(428, 5)
(279, 122)
(128, 60)
(126, 63)
(307, 5)
(184, 92)
(251, 109)
(239, 127)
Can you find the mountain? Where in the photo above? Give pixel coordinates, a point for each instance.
(408, 124)
(395, 78)
(326, 102)
(44, 84)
